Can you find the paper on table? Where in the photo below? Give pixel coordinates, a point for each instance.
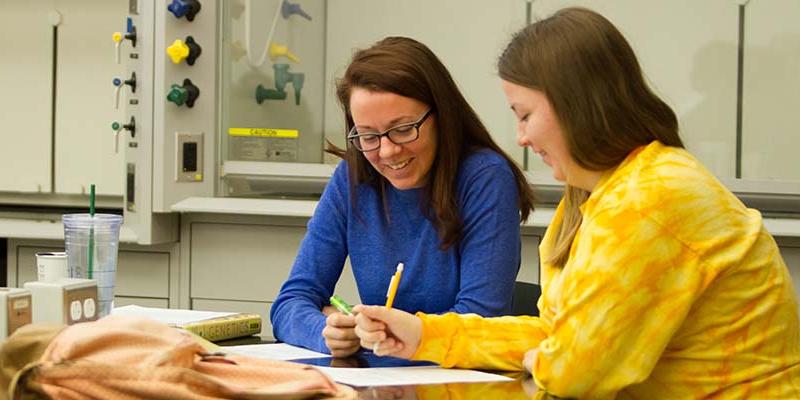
(408, 376)
(274, 351)
(380, 376)
(169, 316)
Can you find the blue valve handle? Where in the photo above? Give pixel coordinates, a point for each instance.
(184, 8)
(178, 8)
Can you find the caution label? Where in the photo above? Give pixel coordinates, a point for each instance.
(264, 132)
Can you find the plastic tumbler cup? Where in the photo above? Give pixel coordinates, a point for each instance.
(91, 243)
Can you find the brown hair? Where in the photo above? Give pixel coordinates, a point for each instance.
(590, 75)
(408, 68)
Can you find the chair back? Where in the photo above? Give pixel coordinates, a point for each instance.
(524, 298)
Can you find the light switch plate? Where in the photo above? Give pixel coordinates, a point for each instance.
(188, 157)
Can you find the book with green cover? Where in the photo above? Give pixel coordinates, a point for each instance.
(222, 328)
(210, 325)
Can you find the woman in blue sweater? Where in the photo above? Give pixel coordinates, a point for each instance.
(422, 183)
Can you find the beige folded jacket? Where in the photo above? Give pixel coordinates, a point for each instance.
(121, 357)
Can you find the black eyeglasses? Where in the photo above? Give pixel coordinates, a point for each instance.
(401, 134)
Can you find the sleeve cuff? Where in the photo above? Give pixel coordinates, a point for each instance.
(436, 340)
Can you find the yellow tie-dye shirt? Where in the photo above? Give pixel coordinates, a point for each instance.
(673, 289)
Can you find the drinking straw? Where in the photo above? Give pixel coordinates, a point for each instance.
(91, 231)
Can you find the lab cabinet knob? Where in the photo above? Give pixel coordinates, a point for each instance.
(186, 94)
(184, 8)
(188, 50)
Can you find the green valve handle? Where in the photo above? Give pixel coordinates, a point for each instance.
(177, 94)
(183, 94)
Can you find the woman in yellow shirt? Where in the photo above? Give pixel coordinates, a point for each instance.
(657, 281)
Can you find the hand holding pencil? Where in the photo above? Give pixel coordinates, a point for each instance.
(388, 331)
(385, 330)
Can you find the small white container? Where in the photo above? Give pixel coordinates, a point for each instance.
(51, 266)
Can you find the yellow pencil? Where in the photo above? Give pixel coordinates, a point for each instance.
(393, 284)
(390, 294)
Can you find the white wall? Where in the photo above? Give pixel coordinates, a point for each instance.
(467, 35)
(687, 48)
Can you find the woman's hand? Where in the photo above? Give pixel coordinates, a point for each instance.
(530, 360)
(397, 332)
(339, 333)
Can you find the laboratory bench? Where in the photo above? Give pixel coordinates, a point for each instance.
(233, 254)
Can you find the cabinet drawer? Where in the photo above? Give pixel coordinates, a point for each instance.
(241, 262)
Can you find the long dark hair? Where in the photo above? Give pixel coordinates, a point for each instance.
(591, 77)
(408, 68)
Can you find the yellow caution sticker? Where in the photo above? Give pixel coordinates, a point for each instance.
(265, 132)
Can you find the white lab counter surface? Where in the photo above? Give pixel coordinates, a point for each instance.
(230, 205)
(291, 208)
(45, 229)
(54, 230)
(784, 227)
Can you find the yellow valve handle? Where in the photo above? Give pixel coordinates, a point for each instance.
(178, 51)
(276, 50)
(116, 37)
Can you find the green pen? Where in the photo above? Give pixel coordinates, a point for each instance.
(341, 305)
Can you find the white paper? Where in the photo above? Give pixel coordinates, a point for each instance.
(273, 351)
(422, 375)
(379, 376)
(169, 316)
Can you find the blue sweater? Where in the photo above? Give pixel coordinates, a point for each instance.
(474, 276)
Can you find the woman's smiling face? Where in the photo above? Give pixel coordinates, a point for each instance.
(538, 129)
(407, 165)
